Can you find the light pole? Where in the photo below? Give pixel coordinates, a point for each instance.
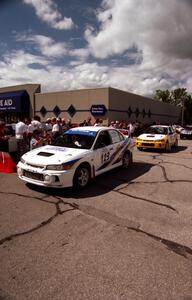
(182, 110)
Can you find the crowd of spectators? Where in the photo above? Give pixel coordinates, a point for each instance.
(30, 134)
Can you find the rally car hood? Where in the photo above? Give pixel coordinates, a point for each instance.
(150, 136)
(47, 155)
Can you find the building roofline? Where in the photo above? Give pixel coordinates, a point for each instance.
(77, 90)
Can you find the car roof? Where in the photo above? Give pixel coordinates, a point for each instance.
(164, 126)
(89, 128)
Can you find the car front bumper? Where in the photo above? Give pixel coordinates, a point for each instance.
(151, 144)
(46, 178)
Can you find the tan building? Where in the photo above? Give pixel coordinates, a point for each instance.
(106, 103)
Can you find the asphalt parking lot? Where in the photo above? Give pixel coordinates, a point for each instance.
(126, 236)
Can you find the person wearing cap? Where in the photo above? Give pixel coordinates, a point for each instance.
(116, 125)
(48, 125)
(112, 124)
(64, 125)
(57, 128)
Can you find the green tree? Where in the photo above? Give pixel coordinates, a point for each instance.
(178, 97)
(188, 110)
(163, 96)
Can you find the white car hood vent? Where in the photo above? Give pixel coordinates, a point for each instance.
(46, 154)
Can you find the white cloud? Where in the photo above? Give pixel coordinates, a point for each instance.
(152, 26)
(18, 68)
(159, 31)
(46, 45)
(81, 53)
(47, 11)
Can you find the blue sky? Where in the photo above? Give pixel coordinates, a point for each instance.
(134, 45)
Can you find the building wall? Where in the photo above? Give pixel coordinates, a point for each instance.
(155, 110)
(82, 100)
(117, 103)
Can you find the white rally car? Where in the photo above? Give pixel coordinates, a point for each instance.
(80, 154)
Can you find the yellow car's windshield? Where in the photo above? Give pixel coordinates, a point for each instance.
(157, 130)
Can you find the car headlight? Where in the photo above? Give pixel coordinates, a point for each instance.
(58, 167)
(138, 140)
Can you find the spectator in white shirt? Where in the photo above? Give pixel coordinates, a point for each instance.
(21, 137)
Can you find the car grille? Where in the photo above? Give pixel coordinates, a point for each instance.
(148, 144)
(35, 166)
(32, 175)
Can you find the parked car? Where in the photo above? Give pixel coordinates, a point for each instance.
(77, 156)
(186, 133)
(157, 137)
(178, 128)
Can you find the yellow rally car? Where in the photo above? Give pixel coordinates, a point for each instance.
(157, 137)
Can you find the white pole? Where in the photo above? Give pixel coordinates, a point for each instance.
(182, 111)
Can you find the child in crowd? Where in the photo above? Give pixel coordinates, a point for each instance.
(36, 141)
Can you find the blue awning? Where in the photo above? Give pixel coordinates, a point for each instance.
(17, 101)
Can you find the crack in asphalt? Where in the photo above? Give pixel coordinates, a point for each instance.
(176, 164)
(164, 155)
(43, 223)
(146, 200)
(164, 172)
(112, 219)
(173, 246)
(42, 199)
(99, 214)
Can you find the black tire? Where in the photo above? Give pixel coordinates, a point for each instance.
(140, 148)
(167, 147)
(127, 160)
(81, 177)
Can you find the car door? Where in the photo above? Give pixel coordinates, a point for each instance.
(171, 136)
(102, 152)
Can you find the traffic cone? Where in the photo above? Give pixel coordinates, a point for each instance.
(7, 165)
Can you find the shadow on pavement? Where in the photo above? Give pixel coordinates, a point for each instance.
(101, 184)
(173, 150)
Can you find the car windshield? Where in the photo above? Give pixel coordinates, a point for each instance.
(157, 130)
(75, 140)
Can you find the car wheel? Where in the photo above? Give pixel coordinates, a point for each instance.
(167, 147)
(127, 160)
(81, 177)
(140, 148)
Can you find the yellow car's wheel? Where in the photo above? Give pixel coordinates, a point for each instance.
(167, 147)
